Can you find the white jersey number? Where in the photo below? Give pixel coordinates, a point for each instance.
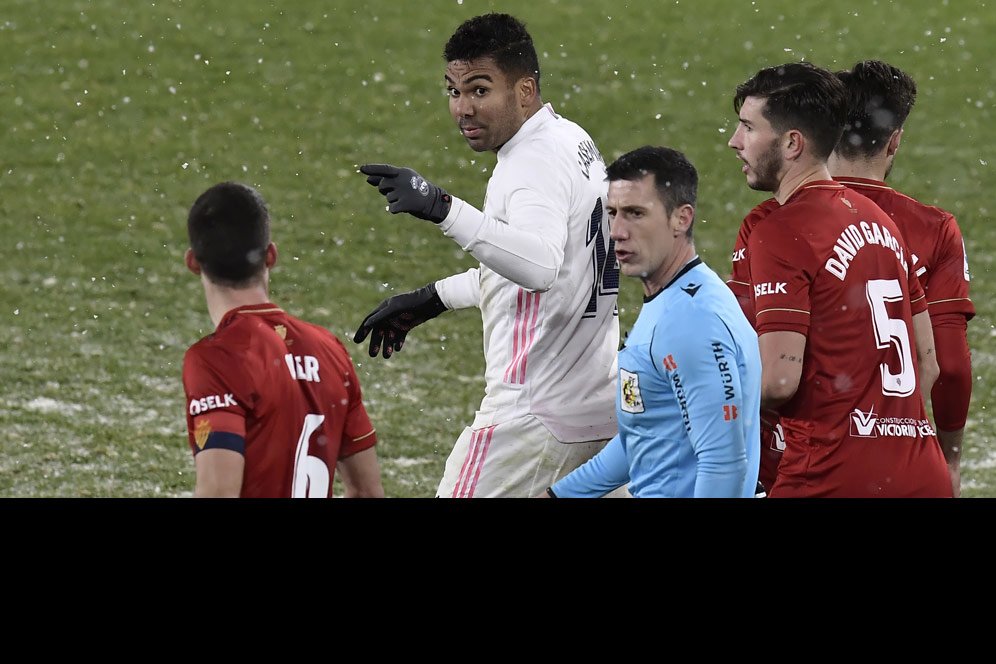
(311, 475)
(889, 331)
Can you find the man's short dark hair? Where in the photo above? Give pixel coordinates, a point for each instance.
(229, 230)
(801, 96)
(676, 179)
(501, 37)
(880, 97)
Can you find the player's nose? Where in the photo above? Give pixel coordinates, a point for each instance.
(462, 106)
(734, 141)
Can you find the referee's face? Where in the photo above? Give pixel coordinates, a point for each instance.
(641, 229)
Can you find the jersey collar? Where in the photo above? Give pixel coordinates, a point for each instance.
(261, 308)
(815, 184)
(529, 127)
(849, 181)
(688, 267)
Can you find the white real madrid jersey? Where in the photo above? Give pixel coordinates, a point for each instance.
(547, 284)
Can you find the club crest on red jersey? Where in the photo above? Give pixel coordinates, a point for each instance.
(201, 433)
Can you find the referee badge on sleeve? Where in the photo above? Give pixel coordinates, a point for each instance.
(629, 384)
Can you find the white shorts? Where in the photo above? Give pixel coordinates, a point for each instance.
(515, 459)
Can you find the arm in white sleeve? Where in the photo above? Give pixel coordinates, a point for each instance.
(461, 290)
(528, 250)
(606, 471)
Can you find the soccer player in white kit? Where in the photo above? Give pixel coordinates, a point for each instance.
(548, 278)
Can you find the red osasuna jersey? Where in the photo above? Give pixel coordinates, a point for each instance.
(288, 388)
(830, 265)
(772, 441)
(937, 250)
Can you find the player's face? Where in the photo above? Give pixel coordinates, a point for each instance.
(484, 103)
(758, 145)
(640, 226)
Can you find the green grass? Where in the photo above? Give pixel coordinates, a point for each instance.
(117, 115)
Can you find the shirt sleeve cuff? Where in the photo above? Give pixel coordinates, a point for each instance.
(460, 291)
(462, 223)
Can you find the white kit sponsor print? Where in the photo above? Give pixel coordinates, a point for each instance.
(204, 404)
(869, 425)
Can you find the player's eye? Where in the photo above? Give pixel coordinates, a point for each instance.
(480, 92)
(452, 92)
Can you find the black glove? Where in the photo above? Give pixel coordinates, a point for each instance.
(407, 191)
(394, 318)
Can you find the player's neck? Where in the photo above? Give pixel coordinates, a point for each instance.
(221, 300)
(798, 175)
(665, 273)
(866, 169)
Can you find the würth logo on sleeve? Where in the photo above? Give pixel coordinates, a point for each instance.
(669, 363)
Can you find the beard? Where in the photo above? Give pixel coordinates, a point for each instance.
(767, 170)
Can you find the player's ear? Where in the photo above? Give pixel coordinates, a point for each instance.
(526, 88)
(191, 262)
(793, 144)
(271, 255)
(893, 146)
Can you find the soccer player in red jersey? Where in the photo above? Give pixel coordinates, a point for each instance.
(273, 402)
(880, 98)
(836, 304)
(772, 439)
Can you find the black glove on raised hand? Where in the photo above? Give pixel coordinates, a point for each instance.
(394, 318)
(407, 191)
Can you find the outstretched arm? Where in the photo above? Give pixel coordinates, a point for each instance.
(606, 471)
(527, 248)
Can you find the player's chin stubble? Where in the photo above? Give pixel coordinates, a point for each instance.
(769, 164)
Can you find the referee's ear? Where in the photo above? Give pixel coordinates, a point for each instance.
(681, 220)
